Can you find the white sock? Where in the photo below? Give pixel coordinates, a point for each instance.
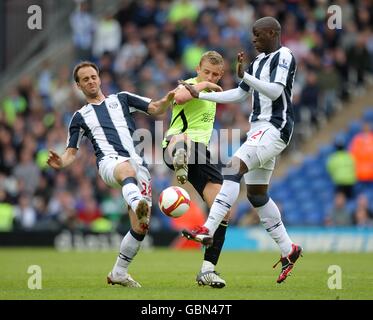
(270, 217)
(223, 202)
(207, 266)
(131, 194)
(128, 250)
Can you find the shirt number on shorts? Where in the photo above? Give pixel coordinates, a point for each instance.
(254, 138)
(146, 189)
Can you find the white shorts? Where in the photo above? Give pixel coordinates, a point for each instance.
(259, 152)
(106, 168)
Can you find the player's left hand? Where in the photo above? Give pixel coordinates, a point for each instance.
(239, 65)
(194, 93)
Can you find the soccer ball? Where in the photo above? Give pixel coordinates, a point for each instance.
(174, 201)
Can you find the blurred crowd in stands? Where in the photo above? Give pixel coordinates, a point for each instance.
(145, 48)
(350, 168)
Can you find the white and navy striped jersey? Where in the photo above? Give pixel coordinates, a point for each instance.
(279, 67)
(108, 125)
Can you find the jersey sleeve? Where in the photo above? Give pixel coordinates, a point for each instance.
(281, 66)
(134, 101)
(75, 132)
(243, 85)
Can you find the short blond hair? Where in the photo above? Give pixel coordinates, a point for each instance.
(213, 57)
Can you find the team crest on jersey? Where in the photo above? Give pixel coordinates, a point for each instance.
(284, 64)
(113, 105)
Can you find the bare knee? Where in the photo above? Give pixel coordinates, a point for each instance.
(124, 170)
(210, 192)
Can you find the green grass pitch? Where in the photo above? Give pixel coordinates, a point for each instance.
(169, 274)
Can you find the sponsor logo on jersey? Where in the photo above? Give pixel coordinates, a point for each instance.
(284, 64)
(113, 105)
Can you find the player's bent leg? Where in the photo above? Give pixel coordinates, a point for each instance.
(138, 204)
(181, 166)
(228, 194)
(222, 204)
(124, 170)
(179, 150)
(118, 171)
(139, 212)
(137, 199)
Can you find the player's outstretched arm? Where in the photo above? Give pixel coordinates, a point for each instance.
(189, 91)
(160, 106)
(58, 162)
(183, 93)
(228, 96)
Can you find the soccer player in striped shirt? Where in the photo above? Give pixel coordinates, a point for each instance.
(107, 122)
(270, 76)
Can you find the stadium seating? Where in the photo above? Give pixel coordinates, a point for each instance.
(368, 115)
(306, 192)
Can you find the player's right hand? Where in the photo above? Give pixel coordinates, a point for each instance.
(170, 96)
(239, 65)
(54, 160)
